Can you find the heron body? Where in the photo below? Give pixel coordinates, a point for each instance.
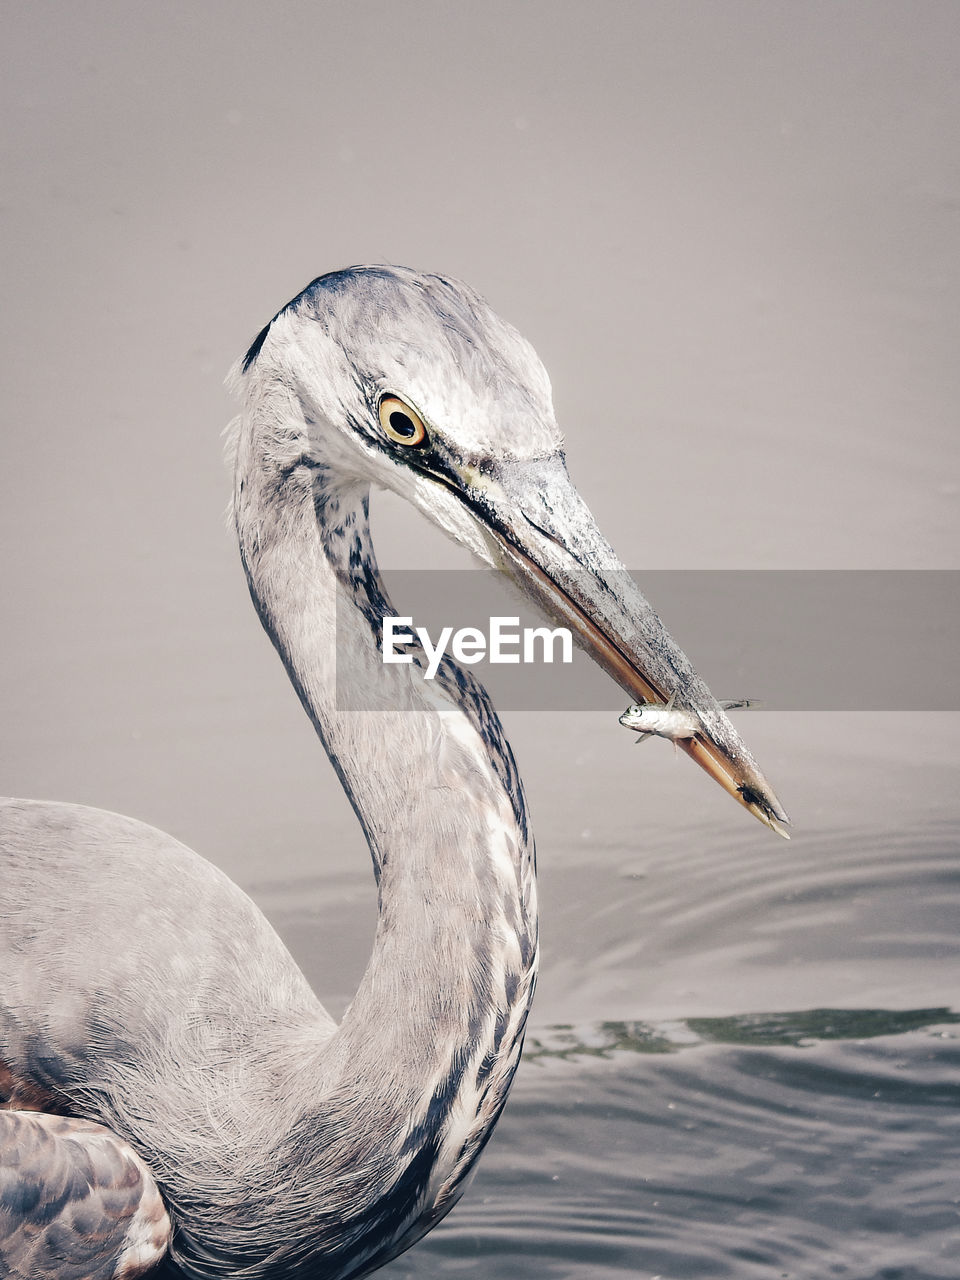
(175, 1095)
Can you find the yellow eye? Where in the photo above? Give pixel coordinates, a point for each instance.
(401, 424)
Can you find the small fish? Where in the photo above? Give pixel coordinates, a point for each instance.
(664, 720)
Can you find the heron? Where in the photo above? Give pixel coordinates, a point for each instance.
(174, 1097)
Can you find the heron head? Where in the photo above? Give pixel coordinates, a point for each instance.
(411, 382)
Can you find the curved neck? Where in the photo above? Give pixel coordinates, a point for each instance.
(415, 1077)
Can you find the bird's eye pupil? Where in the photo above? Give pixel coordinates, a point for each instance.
(401, 424)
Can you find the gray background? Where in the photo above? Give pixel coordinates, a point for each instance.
(731, 231)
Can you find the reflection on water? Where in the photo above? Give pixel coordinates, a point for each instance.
(761, 1029)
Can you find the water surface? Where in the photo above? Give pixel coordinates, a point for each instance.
(731, 232)
(743, 1060)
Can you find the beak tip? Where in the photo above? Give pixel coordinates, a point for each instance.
(779, 825)
(756, 795)
(767, 809)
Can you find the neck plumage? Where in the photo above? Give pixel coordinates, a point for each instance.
(410, 1085)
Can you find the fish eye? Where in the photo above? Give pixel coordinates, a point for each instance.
(401, 423)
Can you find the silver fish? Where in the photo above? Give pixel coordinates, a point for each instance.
(664, 720)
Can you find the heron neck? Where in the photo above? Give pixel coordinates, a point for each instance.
(428, 1046)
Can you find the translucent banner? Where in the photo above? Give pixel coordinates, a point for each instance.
(797, 640)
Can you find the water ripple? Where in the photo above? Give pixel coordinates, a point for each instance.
(724, 927)
(618, 1159)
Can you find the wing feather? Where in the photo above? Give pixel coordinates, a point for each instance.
(76, 1202)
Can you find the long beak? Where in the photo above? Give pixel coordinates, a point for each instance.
(550, 544)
